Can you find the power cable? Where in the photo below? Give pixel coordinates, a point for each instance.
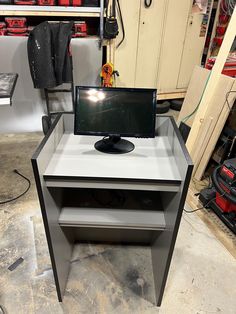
(196, 209)
(122, 24)
(199, 208)
(195, 110)
(23, 193)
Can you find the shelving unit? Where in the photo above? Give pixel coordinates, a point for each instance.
(33, 10)
(86, 195)
(56, 11)
(87, 58)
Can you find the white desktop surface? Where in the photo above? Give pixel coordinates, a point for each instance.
(75, 156)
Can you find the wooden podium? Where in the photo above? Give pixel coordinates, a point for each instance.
(86, 195)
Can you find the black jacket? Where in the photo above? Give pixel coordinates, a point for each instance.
(48, 53)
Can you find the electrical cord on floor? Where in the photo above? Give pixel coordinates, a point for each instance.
(23, 193)
(208, 203)
(194, 210)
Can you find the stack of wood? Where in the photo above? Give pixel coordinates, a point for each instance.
(207, 105)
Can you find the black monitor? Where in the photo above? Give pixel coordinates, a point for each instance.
(115, 113)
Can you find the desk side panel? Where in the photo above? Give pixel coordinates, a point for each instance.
(60, 248)
(173, 203)
(179, 150)
(69, 123)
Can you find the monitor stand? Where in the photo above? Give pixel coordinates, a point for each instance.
(114, 145)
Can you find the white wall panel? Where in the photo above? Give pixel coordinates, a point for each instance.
(28, 105)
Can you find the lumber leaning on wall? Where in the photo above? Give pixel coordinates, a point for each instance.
(194, 92)
(219, 115)
(205, 120)
(213, 117)
(216, 133)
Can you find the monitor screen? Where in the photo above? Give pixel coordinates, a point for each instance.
(126, 112)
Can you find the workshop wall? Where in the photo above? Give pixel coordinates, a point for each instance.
(28, 104)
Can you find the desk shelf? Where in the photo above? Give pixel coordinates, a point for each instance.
(111, 184)
(109, 208)
(112, 218)
(86, 195)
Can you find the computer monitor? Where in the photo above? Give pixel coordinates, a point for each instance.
(115, 113)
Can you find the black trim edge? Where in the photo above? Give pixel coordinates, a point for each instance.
(44, 140)
(45, 220)
(175, 231)
(181, 141)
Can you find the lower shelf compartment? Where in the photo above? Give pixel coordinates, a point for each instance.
(112, 218)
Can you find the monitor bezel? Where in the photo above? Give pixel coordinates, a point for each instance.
(92, 133)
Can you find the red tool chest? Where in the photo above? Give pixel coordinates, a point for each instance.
(15, 22)
(73, 3)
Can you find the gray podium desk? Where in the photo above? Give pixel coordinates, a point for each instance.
(86, 195)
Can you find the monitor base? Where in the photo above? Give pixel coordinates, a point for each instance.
(114, 145)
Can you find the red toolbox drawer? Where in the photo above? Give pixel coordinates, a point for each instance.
(80, 27)
(17, 30)
(17, 34)
(79, 35)
(15, 21)
(73, 3)
(25, 2)
(46, 2)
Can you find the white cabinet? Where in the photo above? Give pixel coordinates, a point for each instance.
(162, 45)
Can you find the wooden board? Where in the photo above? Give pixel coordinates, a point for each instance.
(47, 13)
(207, 106)
(175, 95)
(216, 132)
(216, 115)
(206, 133)
(194, 93)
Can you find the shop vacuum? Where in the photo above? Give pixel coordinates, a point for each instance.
(221, 197)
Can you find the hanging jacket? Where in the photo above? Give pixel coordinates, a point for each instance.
(48, 54)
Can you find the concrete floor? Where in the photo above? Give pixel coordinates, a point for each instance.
(103, 278)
